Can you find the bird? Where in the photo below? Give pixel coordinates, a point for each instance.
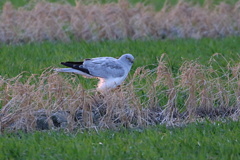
(110, 71)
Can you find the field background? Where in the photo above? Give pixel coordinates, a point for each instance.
(157, 4)
(197, 138)
(44, 21)
(198, 141)
(33, 58)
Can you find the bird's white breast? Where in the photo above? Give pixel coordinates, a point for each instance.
(108, 84)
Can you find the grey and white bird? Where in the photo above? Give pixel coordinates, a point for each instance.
(110, 71)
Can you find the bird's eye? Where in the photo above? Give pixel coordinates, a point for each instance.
(130, 60)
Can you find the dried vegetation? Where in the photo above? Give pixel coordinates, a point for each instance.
(63, 22)
(148, 97)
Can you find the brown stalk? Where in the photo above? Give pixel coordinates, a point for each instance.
(191, 73)
(165, 75)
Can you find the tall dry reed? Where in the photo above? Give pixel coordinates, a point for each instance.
(115, 21)
(148, 97)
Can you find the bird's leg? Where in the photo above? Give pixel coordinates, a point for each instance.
(118, 88)
(100, 95)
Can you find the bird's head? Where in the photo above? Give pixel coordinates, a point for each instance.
(127, 58)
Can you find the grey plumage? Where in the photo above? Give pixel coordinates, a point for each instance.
(110, 71)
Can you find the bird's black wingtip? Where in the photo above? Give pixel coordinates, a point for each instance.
(76, 65)
(67, 64)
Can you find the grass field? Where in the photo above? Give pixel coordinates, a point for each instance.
(186, 65)
(183, 106)
(200, 72)
(35, 57)
(200, 141)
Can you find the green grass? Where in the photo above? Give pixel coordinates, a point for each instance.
(35, 57)
(196, 141)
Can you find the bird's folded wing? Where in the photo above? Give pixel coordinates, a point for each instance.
(104, 67)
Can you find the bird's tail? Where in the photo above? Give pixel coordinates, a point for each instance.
(71, 70)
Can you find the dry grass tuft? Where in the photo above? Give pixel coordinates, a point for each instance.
(114, 21)
(149, 97)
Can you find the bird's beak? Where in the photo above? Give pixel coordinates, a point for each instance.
(130, 60)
